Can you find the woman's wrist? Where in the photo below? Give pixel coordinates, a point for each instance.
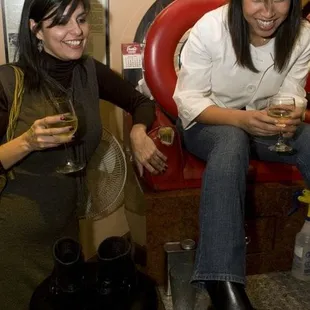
(18, 148)
(238, 117)
(25, 142)
(138, 129)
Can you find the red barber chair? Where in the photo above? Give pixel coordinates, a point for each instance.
(185, 170)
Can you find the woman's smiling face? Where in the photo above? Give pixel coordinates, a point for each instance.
(67, 41)
(265, 16)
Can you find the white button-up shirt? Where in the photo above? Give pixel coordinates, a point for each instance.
(210, 75)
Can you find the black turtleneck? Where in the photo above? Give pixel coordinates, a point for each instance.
(112, 87)
(59, 70)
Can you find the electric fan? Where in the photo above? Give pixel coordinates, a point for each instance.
(105, 178)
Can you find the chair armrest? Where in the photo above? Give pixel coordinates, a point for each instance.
(174, 152)
(161, 119)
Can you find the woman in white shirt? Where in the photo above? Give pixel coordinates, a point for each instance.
(236, 57)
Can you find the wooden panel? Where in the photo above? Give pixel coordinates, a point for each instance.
(260, 232)
(170, 216)
(173, 216)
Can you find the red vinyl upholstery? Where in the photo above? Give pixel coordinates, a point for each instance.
(185, 170)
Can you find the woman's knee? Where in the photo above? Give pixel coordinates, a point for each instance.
(220, 141)
(302, 141)
(303, 132)
(232, 140)
(302, 146)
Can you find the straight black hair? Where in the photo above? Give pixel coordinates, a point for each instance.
(28, 55)
(285, 36)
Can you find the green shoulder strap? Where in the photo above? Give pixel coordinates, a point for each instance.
(13, 117)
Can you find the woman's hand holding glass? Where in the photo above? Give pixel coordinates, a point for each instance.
(258, 123)
(55, 130)
(45, 133)
(293, 122)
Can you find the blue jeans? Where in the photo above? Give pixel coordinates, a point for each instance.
(227, 149)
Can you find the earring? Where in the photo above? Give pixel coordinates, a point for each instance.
(40, 46)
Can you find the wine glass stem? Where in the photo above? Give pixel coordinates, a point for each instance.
(68, 155)
(280, 138)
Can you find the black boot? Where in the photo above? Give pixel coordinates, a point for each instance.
(64, 289)
(67, 279)
(116, 274)
(68, 273)
(228, 295)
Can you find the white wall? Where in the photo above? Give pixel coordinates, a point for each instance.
(2, 51)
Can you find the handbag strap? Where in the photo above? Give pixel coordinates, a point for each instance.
(15, 108)
(13, 117)
(17, 102)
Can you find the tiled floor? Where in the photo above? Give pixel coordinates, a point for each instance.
(202, 301)
(274, 291)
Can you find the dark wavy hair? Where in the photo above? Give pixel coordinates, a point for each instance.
(285, 36)
(28, 56)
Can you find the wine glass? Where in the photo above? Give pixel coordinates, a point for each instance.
(281, 107)
(66, 108)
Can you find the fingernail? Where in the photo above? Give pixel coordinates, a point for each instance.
(71, 128)
(62, 117)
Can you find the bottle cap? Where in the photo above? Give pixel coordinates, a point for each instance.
(188, 244)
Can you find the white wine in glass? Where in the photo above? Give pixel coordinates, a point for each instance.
(70, 120)
(281, 107)
(66, 108)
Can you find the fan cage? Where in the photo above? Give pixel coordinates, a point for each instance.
(105, 178)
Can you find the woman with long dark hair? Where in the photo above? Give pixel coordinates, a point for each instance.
(236, 58)
(38, 205)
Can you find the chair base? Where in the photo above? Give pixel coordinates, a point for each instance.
(173, 216)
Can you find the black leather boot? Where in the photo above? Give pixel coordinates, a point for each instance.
(67, 279)
(110, 283)
(227, 295)
(68, 273)
(64, 289)
(116, 273)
